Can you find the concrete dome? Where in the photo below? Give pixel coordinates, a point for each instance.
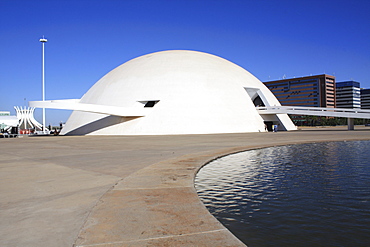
(175, 92)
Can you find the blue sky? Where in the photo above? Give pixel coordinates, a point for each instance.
(88, 38)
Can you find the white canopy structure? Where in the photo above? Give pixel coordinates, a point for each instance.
(171, 92)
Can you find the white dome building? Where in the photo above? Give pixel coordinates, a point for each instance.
(172, 92)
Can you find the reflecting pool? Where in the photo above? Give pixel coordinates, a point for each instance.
(315, 194)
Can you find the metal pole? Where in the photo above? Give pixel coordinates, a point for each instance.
(43, 41)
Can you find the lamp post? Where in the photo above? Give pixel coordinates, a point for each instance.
(43, 41)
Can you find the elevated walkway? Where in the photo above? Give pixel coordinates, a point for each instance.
(350, 114)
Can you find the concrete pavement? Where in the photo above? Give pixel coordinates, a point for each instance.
(122, 190)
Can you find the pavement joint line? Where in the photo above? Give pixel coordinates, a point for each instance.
(164, 237)
(95, 205)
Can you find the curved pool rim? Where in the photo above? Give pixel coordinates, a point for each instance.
(259, 147)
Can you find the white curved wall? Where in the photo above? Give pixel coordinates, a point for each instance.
(198, 93)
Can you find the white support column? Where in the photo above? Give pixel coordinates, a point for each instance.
(351, 123)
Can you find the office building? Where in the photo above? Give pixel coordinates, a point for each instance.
(348, 94)
(308, 91)
(365, 98)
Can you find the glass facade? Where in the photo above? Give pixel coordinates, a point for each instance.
(348, 94)
(365, 98)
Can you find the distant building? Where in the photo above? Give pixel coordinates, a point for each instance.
(348, 94)
(4, 113)
(7, 121)
(308, 91)
(365, 98)
(22, 123)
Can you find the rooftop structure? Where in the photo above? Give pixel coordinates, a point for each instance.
(172, 92)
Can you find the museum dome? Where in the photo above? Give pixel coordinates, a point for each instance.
(174, 92)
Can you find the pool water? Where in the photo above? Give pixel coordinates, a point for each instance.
(315, 194)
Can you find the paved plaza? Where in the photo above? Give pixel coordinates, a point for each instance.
(122, 190)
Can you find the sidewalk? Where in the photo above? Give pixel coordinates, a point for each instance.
(121, 190)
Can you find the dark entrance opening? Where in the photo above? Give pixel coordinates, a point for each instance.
(269, 125)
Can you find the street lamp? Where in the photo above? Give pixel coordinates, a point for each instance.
(43, 41)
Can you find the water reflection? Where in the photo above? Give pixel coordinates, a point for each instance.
(301, 195)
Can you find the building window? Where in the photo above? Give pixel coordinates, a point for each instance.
(147, 103)
(151, 103)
